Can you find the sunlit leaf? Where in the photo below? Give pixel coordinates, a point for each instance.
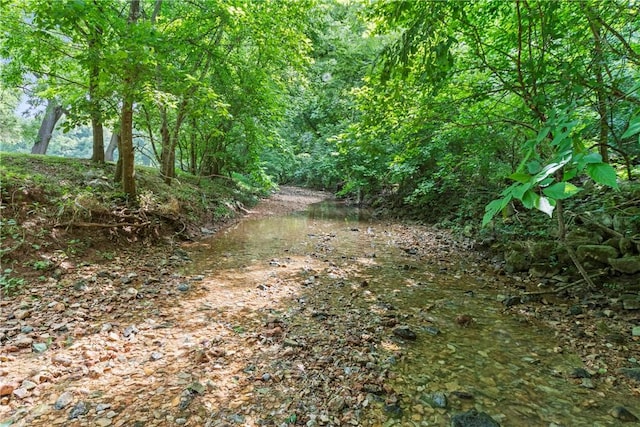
(561, 190)
(603, 173)
(634, 127)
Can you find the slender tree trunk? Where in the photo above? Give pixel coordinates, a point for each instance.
(127, 156)
(111, 148)
(94, 98)
(51, 116)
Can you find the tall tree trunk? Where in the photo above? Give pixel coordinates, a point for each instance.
(127, 155)
(114, 142)
(94, 43)
(51, 116)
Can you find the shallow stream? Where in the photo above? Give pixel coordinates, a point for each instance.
(467, 349)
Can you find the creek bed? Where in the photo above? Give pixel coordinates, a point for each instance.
(365, 278)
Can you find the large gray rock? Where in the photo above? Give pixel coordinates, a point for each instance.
(600, 253)
(516, 260)
(580, 236)
(628, 265)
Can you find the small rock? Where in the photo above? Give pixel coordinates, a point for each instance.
(623, 414)
(184, 287)
(181, 421)
(63, 360)
(130, 330)
(393, 410)
(6, 389)
(102, 407)
(587, 383)
(21, 314)
(575, 310)
(63, 401)
(28, 385)
(405, 332)
(59, 307)
(103, 422)
(26, 329)
(79, 409)
(20, 393)
(473, 418)
(39, 347)
(156, 355)
(23, 341)
(432, 330)
(130, 293)
(511, 301)
(579, 373)
(436, 400)
(635, 331)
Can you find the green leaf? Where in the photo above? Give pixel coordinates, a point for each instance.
(493, 208)
(520, 177)
(545, 205)
(603, 173)
(534, 166)
(569, 174)
(634, 127)
(530, 199)
(561, 190)
(519, 191)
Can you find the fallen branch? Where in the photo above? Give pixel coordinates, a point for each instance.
(98, 224)
(604, 228)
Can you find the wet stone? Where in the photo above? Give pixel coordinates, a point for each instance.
(432, 330)
(436, 400)
(473, 418)
(633, 373)
(405, 333)
(623, 414)
(579, 373)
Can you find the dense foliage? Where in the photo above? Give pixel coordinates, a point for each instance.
(436, 105)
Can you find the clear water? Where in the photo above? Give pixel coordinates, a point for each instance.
(514, 370)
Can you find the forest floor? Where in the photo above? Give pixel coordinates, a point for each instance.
(124, 339)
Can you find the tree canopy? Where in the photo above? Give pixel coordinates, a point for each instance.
(419, 101)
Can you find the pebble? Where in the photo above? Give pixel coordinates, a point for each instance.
(39, 347)
(20, 393)
(63, 400)
(21, 314)
(102, 407)
(183, 287)
(23, 341)
(26, 329)
(28, 385)
(6, 389)
(103, 422)
(405, 332)
(79, 409)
